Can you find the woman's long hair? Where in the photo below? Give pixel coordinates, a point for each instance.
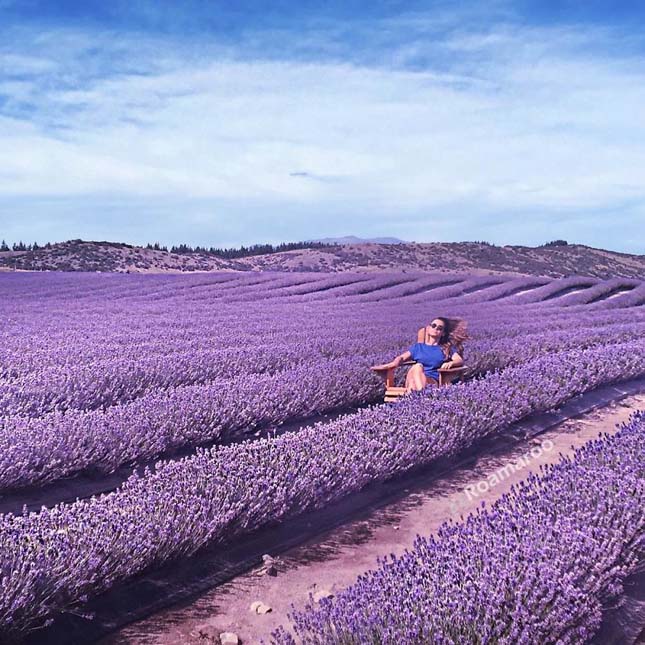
(455, 333)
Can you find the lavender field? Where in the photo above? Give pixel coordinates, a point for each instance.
(180, 374)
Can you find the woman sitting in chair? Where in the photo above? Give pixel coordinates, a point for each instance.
(443, 349)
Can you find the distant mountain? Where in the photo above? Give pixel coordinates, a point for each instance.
(352, 239)
(553, 260)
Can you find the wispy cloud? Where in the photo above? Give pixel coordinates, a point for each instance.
(485, 123)
(314, 177)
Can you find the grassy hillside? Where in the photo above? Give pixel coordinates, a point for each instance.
(471, 257)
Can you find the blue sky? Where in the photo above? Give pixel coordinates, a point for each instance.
(227, 123)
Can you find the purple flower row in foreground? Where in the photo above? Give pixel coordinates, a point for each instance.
(53, 559)
(534, 568)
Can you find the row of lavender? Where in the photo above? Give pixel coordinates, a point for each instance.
(534, 568)
(60, 444)
(363, 286)
(46, 314)
(79, 359)
(88, 367)
(176, 392)
(54, 559)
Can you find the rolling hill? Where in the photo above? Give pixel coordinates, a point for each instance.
(559, 260)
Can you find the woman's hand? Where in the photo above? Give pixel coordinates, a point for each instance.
(385, 366)
(395, 363)
(446, 366)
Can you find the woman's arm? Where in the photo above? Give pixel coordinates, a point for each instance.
(455, 361)
(406, 356)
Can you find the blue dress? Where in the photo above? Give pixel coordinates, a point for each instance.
(431, 357)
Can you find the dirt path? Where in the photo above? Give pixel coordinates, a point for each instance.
(335, 560)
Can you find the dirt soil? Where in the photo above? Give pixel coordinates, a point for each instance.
(333, 561)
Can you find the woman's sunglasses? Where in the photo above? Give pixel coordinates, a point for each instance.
(439, 327)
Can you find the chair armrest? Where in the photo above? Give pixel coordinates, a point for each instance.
(387, 369)
(388, 373)
(448, 375)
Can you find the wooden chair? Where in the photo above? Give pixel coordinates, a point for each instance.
(394, 393)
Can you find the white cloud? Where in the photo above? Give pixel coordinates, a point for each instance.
(521, 120)
(14, 64)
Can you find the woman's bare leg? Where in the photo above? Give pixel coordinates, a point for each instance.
(415, 379)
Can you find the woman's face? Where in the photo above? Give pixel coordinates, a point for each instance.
(435, 329)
